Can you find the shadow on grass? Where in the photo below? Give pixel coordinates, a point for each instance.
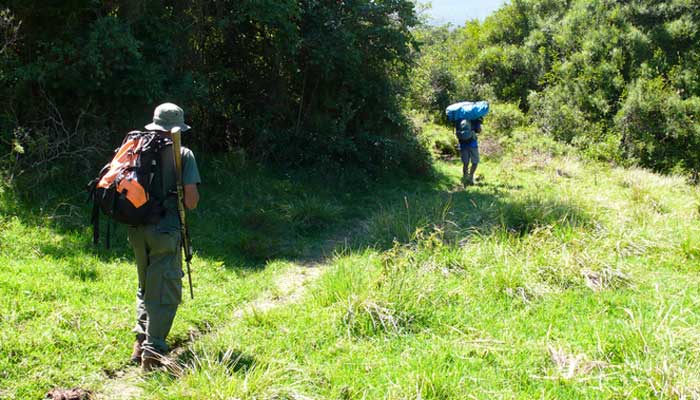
(250, 216)
(482, 210)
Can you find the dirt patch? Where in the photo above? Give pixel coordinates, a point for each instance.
(289, 289)
(490, 147)
(70, 394)
(124, 385)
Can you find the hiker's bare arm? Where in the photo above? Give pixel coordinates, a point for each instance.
(191, 196)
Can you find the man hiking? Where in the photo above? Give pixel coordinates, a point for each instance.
(466, 131)
(157, 246)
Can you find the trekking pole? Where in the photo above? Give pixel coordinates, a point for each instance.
(186, 245)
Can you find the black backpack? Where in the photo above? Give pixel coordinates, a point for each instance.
(464, 130)
(123, 190)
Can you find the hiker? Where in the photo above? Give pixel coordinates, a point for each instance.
(467, 117)
(466, 131)
(157, 246)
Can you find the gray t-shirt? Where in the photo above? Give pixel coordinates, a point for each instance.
(190, 175)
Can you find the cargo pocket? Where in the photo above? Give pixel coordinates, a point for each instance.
(171, 292)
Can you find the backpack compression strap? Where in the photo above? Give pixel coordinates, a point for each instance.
(95, 214)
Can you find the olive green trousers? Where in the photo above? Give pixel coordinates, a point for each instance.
(159, 266)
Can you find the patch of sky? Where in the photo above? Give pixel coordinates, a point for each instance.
(457, 12)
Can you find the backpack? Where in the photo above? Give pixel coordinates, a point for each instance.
(464, 130)
(123, 188)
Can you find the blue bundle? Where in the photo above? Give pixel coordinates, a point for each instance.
(467, 110)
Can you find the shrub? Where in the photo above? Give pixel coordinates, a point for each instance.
(509, 70)
(604, 148)
(443, 86)
(658, 127)
(439, 139)
(504, 118)
(531, 142)
(553, 112)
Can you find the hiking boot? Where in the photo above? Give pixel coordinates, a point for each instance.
(136, 353)
(151, 360)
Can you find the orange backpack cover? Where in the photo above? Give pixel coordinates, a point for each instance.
(123, 188)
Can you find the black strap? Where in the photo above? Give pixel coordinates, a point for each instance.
(95, 219)
(111, 220)
(107, 244)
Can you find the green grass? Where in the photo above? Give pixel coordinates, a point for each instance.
(66, 307)
(555, 278)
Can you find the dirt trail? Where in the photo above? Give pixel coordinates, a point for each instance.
(289, 288)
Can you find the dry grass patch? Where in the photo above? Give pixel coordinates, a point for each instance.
(364, 317)
(535, 159)
(529, 293)
(572, 366)
(568, 168)
(490, 147)
(607, 278)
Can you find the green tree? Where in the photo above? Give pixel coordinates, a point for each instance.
(295, 82)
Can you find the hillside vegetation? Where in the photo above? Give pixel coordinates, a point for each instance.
(337, 255)
(618, 79)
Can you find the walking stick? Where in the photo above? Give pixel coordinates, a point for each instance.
(186, 244)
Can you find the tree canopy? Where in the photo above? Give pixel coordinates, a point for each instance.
(306, 82)
(294, 82)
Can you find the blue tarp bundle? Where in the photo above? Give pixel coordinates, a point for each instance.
(467, 110)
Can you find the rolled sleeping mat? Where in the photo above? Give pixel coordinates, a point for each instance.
(467, 110)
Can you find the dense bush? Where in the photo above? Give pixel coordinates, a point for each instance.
(504, 118)
(9, 28)
(433, 83)
(296, 82)
(553, 112)
(580, 70)
(509, 70)
(659, 128)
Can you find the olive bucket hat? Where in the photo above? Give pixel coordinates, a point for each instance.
(166, 117)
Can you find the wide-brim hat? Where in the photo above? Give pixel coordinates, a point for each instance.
(166, 117)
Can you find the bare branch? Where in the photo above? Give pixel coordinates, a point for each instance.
(53, 138)
(9, 29)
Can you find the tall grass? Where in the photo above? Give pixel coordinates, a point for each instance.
(554, 277)
(561, 279)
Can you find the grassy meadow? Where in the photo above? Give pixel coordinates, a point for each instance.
(554, 277)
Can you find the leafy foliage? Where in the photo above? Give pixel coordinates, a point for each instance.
(586, 72)
(295, 82)
(659, 127)
(505, 118)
